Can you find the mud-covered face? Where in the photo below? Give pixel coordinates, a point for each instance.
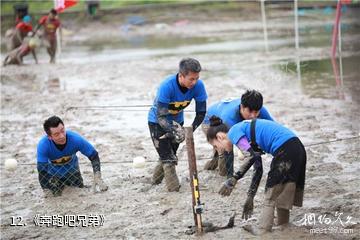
(52, 16)
(247, 114)
(189, 80)
(58, 134)
(221, 143)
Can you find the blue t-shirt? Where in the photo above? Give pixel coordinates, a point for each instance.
(229, 112)
(269, 135)
(170, 93)
(63, 161)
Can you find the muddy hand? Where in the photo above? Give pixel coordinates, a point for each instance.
(99, 185)
(166, 135)
(228, 186)
(248, 208)
(177, 133)
(55, 186)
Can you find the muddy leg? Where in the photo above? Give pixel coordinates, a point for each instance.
(283, 216)
(158, 174)
(171, 178)
(52, 50)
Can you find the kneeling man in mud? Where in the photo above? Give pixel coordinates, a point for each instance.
(57, 163)
(16, 56)
(166, 118)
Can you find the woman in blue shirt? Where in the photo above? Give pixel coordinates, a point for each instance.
(286, 178)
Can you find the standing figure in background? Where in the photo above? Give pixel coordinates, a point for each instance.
(50, 23)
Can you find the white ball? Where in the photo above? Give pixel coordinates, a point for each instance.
(139, 162)
(10, 164)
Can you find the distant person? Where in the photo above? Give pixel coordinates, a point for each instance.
(16, 36)
(16, 56)
(231, 112)
(57, 163)
(286, 179)
(166, 118)
(50, 23)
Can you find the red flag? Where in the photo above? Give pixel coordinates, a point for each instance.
(61, 5)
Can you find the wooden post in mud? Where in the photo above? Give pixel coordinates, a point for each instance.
(263, 16)
(194, 182)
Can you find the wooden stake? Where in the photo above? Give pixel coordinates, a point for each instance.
(194, 181)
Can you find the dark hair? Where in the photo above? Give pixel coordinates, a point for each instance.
(52, 122)
(252, 99)
(216, 125)
(53, 11)
(187, 65)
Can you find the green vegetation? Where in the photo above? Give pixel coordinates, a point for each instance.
(46, 5)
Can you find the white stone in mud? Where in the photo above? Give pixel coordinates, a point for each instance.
(10, 164)
(139, 162)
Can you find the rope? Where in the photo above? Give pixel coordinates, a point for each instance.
(208, 158)
(115, 108)
(331, 141)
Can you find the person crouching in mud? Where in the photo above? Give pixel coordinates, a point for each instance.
(286, 178)
(166, 118)
(57, 163)
(16, 56)
(233, 111)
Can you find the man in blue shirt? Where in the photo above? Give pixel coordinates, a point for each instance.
(166, 118)
(231, 112)
(57, 163)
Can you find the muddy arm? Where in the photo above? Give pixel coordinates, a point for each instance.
(18, 35)
(247, 164)
(162, 113)
(44, 177)
(255, 181)
(200, 114)
(36, 28)
(5, 60)
(95, 162)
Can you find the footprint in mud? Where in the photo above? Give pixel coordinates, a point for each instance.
(53, 84)
(23, 80)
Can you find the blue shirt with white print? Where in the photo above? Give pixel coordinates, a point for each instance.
(229, 112)
(62, 162)
(269, 135)
(170, 93)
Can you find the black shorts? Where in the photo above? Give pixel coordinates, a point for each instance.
(166, 148)
(288, 164)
